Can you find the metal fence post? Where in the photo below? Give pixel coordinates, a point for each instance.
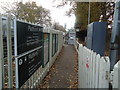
(50, 49)
(9, 52)
(1, 55)
(15, 52)
(115, 36)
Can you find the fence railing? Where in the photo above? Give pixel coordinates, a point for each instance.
(7, 58)
(94, 71)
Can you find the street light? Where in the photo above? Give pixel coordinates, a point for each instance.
(89, 13)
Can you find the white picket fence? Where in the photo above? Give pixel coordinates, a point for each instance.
(94, 71)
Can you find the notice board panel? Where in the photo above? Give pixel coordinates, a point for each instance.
(56, 43)
(46, 48)
(53, 44)
(28, 37)
(27, 65)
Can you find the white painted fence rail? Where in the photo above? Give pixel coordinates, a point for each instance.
(94, 71)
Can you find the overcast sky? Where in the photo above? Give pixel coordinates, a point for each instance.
(57, 14)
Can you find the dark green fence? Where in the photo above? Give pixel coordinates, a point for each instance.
(46, 44)
(54, 44)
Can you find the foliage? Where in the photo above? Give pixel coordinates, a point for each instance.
(109, 13)
(99, 11)
(96, 10)
(57, 26)
(30, 12)
(62, 3)
(81, 14)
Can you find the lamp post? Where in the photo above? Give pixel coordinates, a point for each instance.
(89, 13)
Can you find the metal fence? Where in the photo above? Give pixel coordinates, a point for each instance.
(94, 71)
(7, 57)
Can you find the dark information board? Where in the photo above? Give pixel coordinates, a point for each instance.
(46, 48)
(28, 37)
(28, 50)
(28, 64)
(54, 44)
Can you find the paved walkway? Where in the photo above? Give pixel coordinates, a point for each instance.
(63, 73)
